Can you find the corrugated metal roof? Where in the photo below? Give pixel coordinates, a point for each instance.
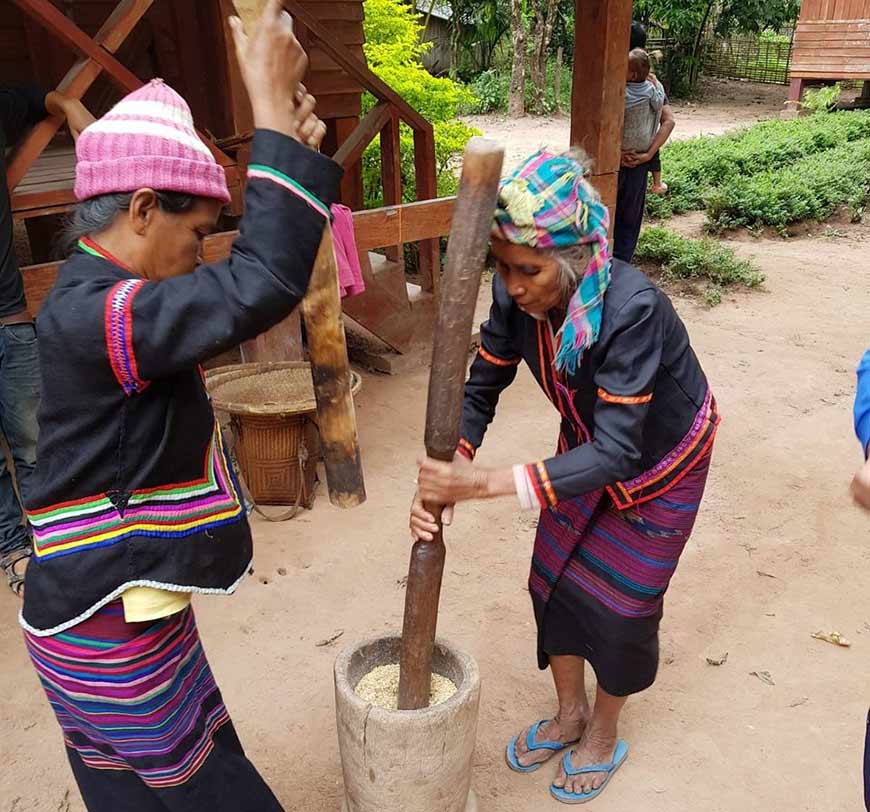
(440, 10)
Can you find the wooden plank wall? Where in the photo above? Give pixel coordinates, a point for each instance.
(832, 40)
(338, 95)
(175, 41)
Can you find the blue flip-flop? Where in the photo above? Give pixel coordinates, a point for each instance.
(620, 754)
(510, 754)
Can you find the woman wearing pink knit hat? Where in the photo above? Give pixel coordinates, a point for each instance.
(134, 505)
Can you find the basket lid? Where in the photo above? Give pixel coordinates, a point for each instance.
(283, 388)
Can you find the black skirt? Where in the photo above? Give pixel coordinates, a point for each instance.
(623, 651)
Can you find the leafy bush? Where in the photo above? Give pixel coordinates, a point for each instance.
(394, 52)
(491, 89)
(822, 99)
(697, 167)
(684, 258)
(808, 189)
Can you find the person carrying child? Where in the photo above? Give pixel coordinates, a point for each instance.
(648, 124)
(644, 99)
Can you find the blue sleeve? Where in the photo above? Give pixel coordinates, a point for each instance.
(862, 402)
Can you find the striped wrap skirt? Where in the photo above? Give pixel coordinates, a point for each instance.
(599, 576)
(144, 724)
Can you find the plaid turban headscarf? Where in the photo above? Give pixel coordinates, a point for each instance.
(545, 204)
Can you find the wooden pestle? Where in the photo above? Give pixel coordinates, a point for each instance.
(330, 369)
(466, 256)
(327, 348)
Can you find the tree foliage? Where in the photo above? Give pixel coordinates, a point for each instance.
(476, 29)
(686, 22)
(394, 51)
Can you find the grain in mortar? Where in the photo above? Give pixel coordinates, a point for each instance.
(381, 687)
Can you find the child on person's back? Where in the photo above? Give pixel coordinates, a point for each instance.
(644, 98)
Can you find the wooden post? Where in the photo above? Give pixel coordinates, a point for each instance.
(558, 79)
(598, 88)
(466, 255)
(391, 173)
(427, 189)
(330, 369)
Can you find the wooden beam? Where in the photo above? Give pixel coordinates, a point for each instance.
(427, 189)
(76, 83)
(339, 130)
(353, 66)
(598, 91)
(391, 172)
(243, 116)
(50, 17)
(411, 222)
(46, 14)
(353, 148)
(374, 228)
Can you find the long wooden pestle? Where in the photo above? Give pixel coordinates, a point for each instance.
(466, 256)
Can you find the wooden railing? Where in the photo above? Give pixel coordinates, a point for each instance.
(384, 120)
(96, 56)
(424, 221)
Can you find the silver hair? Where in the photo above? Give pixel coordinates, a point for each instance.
(572, 263)
(98, 213)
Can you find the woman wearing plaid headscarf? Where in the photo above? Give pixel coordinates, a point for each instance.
(619, 498)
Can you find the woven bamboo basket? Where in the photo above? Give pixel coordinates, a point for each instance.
(272, 414)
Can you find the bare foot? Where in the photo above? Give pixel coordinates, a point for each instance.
(594, 749)
(556, 730)
(659, 189)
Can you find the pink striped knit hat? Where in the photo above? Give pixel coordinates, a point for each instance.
(147, 140)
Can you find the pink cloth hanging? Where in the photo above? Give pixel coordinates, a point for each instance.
(350, 278)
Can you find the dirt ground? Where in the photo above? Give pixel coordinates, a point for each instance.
(778, 553)
(721, 106)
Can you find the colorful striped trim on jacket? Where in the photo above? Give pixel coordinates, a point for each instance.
(676, 465)
(167, 511)
(147, 704)
(466, 449)
(119, 335)
(624, 400)
(496, 361)
(268, 173)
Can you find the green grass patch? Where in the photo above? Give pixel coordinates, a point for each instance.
(705, 260)
(811, 188)
(695, 169)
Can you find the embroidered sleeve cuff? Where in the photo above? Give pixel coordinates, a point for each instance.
(496, 361)
(466, 449)
(541, 485)
(624, 400)
(313, 177)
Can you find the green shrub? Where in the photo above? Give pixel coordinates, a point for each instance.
(394, 52)
(491, 90)
(695, 168)
(807, 189)
(492, 87)
(823, 99)
(705, 260)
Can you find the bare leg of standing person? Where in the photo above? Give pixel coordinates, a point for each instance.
(597, 745)
(569, 678)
